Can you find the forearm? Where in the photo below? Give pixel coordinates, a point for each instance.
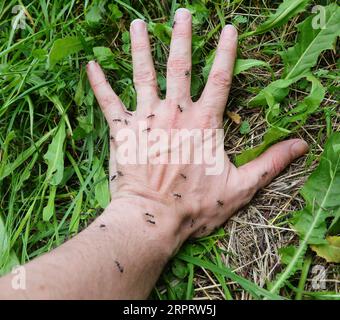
(120, 255)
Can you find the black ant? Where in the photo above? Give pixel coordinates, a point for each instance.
(119, 173)
(120, 268)
(151, 216)
(220, 203)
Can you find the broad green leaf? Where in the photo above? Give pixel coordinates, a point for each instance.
(115, 12)
(242, 65)
(199, 11)
(54, 156)
(161, 31)
(105, 57)
(298, 60)
(101, 190)
(49, 210)
(308, 105)
(179, 268)
(62, 48)
(293, 119)
(239, 20)
(179, 290)
(208, 64)
(40, 54)
(273, 110)
(302, 220)
(286, 10)
(278, 89)
(312, 40)
(8, 258)
(245, 127)
(84, 127)
(272, 135)
(325, 178)
(334, 228)
(126, 42)
(286, 255)
(93, 17)
(330, 251)
(321, 194)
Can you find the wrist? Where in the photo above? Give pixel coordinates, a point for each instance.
(148, 220)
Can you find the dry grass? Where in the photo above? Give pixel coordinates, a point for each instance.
(256, 232)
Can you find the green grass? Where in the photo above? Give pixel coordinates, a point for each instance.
(42, 94)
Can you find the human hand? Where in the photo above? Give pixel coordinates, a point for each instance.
(180, 198)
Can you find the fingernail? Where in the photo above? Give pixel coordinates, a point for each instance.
(138, 26)
(182, 14)
(91, 63)
(299, 148)
(230, 30)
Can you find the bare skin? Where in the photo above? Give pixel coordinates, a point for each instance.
(154, 208)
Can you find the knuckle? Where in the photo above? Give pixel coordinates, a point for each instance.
(221, 79)
(246, 186)
(98, 84)
(227, 49)
(209, 119)
(179, 67)
(276, 166)
(108, 101)
(139, 46)
(215, 103)
(144, 77)
(205, 122)
(181, 32)
(245, 195)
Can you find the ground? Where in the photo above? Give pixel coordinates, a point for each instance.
(36, 92)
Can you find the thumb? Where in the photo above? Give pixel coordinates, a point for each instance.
(261, 171)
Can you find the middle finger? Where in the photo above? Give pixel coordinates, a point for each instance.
(179, 63)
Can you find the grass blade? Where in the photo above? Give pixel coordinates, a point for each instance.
(256, 291)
